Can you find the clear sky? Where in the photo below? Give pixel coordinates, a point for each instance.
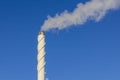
(84, 52)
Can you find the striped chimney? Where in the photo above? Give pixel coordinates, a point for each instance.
(41, 56)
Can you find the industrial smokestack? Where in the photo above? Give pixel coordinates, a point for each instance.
(41, 56)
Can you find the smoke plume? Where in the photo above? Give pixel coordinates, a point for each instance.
(92, 10)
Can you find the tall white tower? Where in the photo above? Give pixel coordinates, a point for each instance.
(41, 56)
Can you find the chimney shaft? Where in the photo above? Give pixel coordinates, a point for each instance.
(41, 56)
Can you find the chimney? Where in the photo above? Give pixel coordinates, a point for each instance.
(41, 56)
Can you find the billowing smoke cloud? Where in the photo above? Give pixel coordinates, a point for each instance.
(92, 10)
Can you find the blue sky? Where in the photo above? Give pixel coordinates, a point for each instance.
(84, 52)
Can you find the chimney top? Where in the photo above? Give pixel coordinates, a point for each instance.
(42, 33)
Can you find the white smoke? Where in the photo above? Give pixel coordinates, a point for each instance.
(92, 10)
